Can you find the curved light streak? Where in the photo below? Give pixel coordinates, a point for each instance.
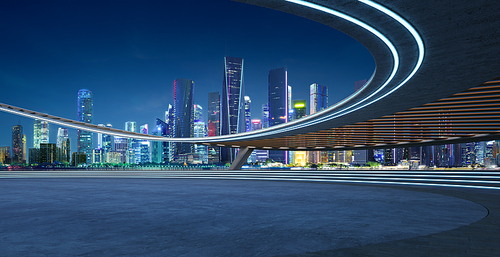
(243, 176)
(311, 120)
(346, 110)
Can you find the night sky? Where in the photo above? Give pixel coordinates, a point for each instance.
(128, 53)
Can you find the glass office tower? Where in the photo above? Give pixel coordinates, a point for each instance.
(133, 144)
(213, 114)
(63, 145)
(213, 127)
(265, 116)
(40, 133)
(278, 106)
(231, 102)
(145, 145)
(17, 144)
(84, 138)
(318, 98)
(183, 114)
(299, 109)
(248, 114)
(318, 101)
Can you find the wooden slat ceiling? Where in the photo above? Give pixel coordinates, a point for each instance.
(463, 115)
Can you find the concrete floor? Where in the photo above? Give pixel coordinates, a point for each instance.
(183, 217)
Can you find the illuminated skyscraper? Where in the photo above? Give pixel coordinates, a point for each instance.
(318, 101)
(131, 126)
(231, 102)
(17, 144)
(169, 120)
(40, 133)
(100, 137)
(200, 130)
(213, 127)
(197, 112)
(299, 109)
(85, 107)
(144, 145)
(62, 135)
(121, 147)
(5, 155)
(318, 98)
(289, 101)
(63, 145)
(24, 149)
(278, 96)
(213, 114)
(183, 114)
(278, 106)
(256, 124)
(248, 114)
(106, 143)
(265, 116)
(133, 144)
(159, 151)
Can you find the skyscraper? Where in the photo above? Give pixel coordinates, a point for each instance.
(5, 155)
(85, 107)
(213, 114)
(213, 127)
(17, 144)
(265, 115)
(99, 137)
(278, 96)
(278, 105)
(169, 123)
(63, 145)
(24, 149)
(145, 145)
(183, 114)
(197, 113)
(133, 144)
(318, 101)
(231, 102)
(106, 143)
(161, 153)
(131, 126)
(289, 101)
(62, 135)
(121, 147)
(40, 133)
(256, 124)
(248, 114)
(200, 130)
(318, 98)
(299, 109)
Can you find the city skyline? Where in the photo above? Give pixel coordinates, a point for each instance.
(128, 86)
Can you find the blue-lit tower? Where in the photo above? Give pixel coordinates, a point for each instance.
(231, 102)
(84, 138)
(248, 114)
(17, 144)
(213, 127)
(278, 105)
(183, 114)
(318, 98)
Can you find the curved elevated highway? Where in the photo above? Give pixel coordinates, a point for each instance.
(436, 80)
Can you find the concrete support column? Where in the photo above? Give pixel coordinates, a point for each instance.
(241, 158)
